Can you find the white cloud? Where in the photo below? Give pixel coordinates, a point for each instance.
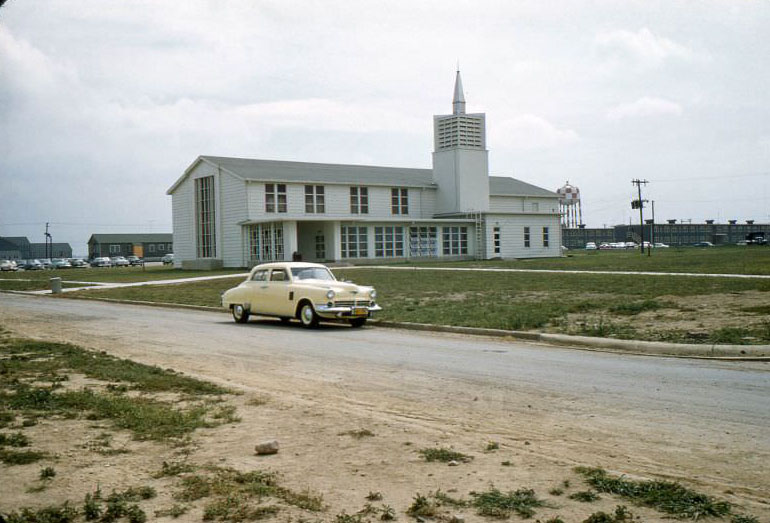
(643, 47)
(644, 107)
(529, 131)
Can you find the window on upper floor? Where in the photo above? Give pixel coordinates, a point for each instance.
(359, 200)
(275, 197)
(399, 200)
(314, 199)
(536, 206)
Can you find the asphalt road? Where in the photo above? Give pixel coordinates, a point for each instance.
(710, 391)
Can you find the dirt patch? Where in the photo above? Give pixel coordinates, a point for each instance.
(316, 414)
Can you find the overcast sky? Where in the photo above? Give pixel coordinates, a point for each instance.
(104, 103)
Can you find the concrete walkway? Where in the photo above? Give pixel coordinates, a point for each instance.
(90, 285)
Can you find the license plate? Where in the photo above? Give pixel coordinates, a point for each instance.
(360, 312)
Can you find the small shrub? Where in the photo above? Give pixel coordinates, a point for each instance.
(444, 455)
(744, 518)
(173, 469)
(555, 519)
(387, 513)
(20, 457)
(665, 496)
(344, 517)
(92, 509)
(556, 491)
(374, 496)
(506, 464)
(497, 504)
(358, 434)
(51, 514)
(492, 445)
(585, 496)
(175, 511)
(14, 440)
(47, 473)
(422, 507)
(633, 308)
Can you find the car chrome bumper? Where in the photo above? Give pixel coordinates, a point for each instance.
(346, 311)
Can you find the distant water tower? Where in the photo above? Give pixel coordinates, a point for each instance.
(570, 208)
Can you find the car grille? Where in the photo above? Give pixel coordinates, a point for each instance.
(351, 303)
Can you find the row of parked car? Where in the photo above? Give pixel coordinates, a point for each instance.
(69, 263)
(591, 246)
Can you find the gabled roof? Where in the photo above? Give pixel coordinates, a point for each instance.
(161, 237)
(7, 246)
(329, 173)
(20, 241)
(283, 171)
(504, 186)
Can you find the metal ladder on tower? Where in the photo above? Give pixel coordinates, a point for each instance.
(478, 219)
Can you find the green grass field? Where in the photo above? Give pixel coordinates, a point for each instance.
(113, 274)
(674, 308)
(717, 260)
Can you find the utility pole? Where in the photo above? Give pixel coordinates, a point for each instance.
(640, 205)
(48, 242)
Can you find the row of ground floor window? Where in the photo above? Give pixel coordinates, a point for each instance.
(318, 242)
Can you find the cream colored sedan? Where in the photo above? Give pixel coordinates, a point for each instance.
(306, 291)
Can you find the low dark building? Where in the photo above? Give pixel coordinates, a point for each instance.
(27, 250)
(150, 246)
(670, 233)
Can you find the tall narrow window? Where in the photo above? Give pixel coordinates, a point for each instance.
(496, 237)
(275, 197)
(545, 236)
(205, 217)
(359, 200)
(526, 236)
(399, 200)
(354, 242)
(314, 199)
(455, 241)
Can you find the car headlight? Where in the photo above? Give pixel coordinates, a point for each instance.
(330, 294)
(372, 294)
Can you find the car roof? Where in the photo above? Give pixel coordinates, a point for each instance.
(287, 265)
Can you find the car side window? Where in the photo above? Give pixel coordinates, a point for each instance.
(278, 275)
(259, 276)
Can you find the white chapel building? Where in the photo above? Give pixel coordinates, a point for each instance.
(238, 212)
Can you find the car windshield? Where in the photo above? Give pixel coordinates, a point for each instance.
(312, 273)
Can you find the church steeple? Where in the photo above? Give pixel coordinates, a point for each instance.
(458, 101)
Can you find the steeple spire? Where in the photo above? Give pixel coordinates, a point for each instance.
(458, 102)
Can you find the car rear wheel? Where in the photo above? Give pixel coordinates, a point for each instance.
(240, 315)
(358, 322)
(307, 316)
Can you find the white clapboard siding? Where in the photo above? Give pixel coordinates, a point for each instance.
(512, 235)
(183, 222)
(231, 211)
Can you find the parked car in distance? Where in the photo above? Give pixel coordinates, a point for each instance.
(703, 244)
(590, 246)
(33, 265)
(78, 263)
(308, 292)
(660, 245)
(101, 261)
(60, 263)
(119, 261)
(135, 260)
(7, 265)
(167, 259)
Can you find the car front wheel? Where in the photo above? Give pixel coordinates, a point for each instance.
(240, 315)
(307, 316)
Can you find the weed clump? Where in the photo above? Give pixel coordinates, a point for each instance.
(358, 434)
(497, 504)
(585, 496)
(444, 455)
(665, 496)
(52, 514)
(14, 440)
(621, 515)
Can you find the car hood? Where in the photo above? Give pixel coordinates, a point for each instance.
(339, 287)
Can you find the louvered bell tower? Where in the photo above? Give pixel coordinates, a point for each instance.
(460, 158)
